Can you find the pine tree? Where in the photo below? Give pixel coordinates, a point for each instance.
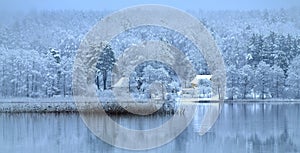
(263, 80)
(232, 82)
(281, 58)
(256, 49)
(57, 65)
(246, 80)
(277, 82)
(105, 63)
(270, 46)
(293, 79)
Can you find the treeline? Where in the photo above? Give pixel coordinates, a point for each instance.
(270, 69)
(28, 73)
(37, 51)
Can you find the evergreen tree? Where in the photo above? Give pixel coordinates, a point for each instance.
(253, 52)
(277, 82)
(256, 49)
(232, 82)
(281, 58)
(288, 47)
(105, 63)
(293, 79)
(262, 79)
(270, 46)
(246, 80)
(57, 65)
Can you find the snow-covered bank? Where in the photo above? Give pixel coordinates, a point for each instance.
(67, 104)
(267, 101)
(57, 104)
(52, 105)
(38, 107)
(37, 100)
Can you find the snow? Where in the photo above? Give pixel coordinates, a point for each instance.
(123, 82)
(36, 57)
(196, 80)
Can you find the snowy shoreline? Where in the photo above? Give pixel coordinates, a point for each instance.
(72, 100)
(265, 101)
(67, 105)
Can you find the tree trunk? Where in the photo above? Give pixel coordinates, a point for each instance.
(277, 86)
(219, 92)
(97, 81)
(58, 85)
(3, 88)
(27, 85)
(298, 93)
(263, 92)
(232, 88)
(64, 83)
(104, 79)
(245, 91)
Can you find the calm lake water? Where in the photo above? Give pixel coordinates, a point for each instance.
(240, 128)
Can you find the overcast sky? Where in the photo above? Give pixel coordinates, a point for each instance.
(26, 5)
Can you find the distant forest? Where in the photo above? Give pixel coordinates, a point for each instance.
(261, 49)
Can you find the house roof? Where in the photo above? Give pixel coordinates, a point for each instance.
(122, 83)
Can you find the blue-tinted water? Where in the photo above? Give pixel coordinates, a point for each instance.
(240, 128)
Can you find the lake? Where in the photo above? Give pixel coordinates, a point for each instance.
(240, 128)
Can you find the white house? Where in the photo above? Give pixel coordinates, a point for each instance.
(198, 90)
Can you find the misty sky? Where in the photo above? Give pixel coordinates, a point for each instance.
(26, 5)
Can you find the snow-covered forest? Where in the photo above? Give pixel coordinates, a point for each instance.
(261, 49)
